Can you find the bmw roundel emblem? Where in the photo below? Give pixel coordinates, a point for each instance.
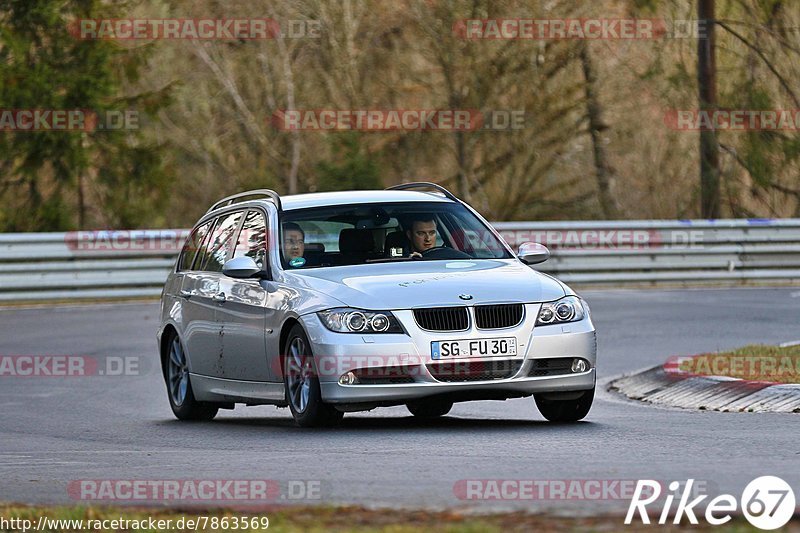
(465, 296)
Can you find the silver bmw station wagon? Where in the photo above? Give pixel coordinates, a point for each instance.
(346, 301)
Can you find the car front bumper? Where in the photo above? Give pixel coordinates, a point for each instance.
(337, 353)
(333, 392)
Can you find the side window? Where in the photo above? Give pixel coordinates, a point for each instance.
(252, 238)
(216, 253)
(202, 251)
(192, 246)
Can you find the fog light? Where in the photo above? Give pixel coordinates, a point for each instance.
(348, 379)
(579, 365)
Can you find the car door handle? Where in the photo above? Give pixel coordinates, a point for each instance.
(186, 294)
(219, 297)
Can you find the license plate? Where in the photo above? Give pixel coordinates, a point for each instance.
(504, 347)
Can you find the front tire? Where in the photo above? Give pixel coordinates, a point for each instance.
(430, 408)
(301, 382)
(565, 410)
(179, 386)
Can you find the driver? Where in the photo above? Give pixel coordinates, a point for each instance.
(421, 235)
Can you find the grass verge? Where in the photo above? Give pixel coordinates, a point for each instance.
(345, 519)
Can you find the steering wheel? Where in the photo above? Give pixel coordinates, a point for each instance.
(444, 252)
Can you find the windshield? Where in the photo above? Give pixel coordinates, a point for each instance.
(384, 232)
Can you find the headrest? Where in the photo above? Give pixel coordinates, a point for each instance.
(394, 240)
(356, 240)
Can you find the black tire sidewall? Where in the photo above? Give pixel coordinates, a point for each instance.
(433, 408)
(190, 409)
(317, 413)
(566, 410)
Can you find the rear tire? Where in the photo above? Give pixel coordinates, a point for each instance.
(430, 408)
(565, 410)
(179, 386)
(301, 383)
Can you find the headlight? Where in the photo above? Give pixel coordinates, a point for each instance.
(347, 320)
(567, 309)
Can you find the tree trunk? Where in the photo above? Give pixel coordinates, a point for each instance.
(461, 156)
(295, 160)
(81, 203)
(707, 83)
(594, 112)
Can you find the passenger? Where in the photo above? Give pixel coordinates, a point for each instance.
(294, 244)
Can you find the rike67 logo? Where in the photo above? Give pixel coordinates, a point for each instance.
(767, 503)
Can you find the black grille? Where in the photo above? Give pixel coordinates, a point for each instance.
(386, 375)
(442, 318)
(557, 366)
(498, 316)
(474, 370)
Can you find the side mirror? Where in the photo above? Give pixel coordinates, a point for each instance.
(532, 253)
(241, 268)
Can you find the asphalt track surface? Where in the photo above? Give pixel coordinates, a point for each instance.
(57, 430)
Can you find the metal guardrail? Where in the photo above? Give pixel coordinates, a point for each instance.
(687, 252)
(86, 264)
(132, 264)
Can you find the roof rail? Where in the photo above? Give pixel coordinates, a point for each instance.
(228, 200)
(423, 184)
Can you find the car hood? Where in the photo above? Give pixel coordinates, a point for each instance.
(407, 285)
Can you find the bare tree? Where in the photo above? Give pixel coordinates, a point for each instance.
(597, 126)
(707, 83)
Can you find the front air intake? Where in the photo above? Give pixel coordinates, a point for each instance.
(455, 371)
